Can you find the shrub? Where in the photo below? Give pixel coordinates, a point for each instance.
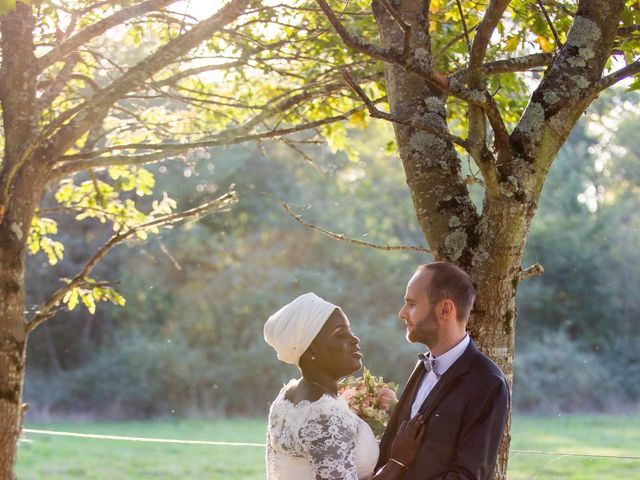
(555, 375)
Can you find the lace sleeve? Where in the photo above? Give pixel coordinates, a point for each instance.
(269, 455)
(329, 442)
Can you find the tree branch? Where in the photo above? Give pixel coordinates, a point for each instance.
(195, 71)
(625, 32)
(70, 167)
(618, 75)
(376, 113)
(476, 80)
(48, 308)
(509, 65)
(70, 164)
(58, 83)
(137, 75)
(482, 37)
(338, 236)
(502, 140)
(396, 57)
(562, 7)
(82, 37)
(569, 84)
(358, 43)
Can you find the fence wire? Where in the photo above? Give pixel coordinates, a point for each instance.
(262, 445)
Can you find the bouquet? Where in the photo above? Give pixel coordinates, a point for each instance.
(370, 398)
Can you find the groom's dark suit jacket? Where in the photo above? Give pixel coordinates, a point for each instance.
(465, 415)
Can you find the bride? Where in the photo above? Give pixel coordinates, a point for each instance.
(312, 433)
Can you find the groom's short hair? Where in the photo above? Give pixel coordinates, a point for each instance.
(450, 281)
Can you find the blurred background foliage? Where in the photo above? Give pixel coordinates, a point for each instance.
(189, 341)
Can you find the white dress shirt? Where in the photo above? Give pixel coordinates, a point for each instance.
(442, 364)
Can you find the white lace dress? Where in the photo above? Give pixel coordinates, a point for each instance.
(318, 440)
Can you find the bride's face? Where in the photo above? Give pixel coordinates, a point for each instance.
(336, 348)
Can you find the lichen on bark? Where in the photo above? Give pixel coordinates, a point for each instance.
(583, 32)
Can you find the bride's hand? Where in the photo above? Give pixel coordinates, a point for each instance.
(408, 439)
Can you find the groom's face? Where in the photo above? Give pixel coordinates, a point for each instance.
(417, 312)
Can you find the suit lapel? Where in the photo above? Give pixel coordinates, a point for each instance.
(401, 411)
(409, 392)
(449, 380)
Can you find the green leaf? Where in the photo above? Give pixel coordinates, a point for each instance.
(88, 300)
(511, 43)
(39, 240)
(71, 299)
(117, 298)
(634, 86)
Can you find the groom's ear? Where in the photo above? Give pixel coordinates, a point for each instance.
(447, 308)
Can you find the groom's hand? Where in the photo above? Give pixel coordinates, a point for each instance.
(408, 439)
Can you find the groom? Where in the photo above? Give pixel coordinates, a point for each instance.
(462, 395)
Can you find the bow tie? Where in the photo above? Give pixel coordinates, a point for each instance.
(430, 364)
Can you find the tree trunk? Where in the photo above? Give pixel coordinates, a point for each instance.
(495, 269)
(21, 187)
(13, 340)
(14, 230)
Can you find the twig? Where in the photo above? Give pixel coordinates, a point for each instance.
(49, 306)
(464, 26)
(338, 236)
(303, 154)
(451, 42)
(534, 270)
(171, 258)
(553, 29)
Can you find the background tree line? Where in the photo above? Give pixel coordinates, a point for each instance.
(190, 339)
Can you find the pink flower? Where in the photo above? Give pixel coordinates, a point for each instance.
(348, 393)
(387, 398)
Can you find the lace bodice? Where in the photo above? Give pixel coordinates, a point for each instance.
(318, 440)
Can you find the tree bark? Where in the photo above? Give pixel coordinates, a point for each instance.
(13, 340)
(22, 180)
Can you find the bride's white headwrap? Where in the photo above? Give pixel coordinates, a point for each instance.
(291, 329)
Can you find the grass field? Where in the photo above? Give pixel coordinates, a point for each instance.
(58, 458)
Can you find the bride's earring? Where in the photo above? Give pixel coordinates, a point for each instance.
(313, 357)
